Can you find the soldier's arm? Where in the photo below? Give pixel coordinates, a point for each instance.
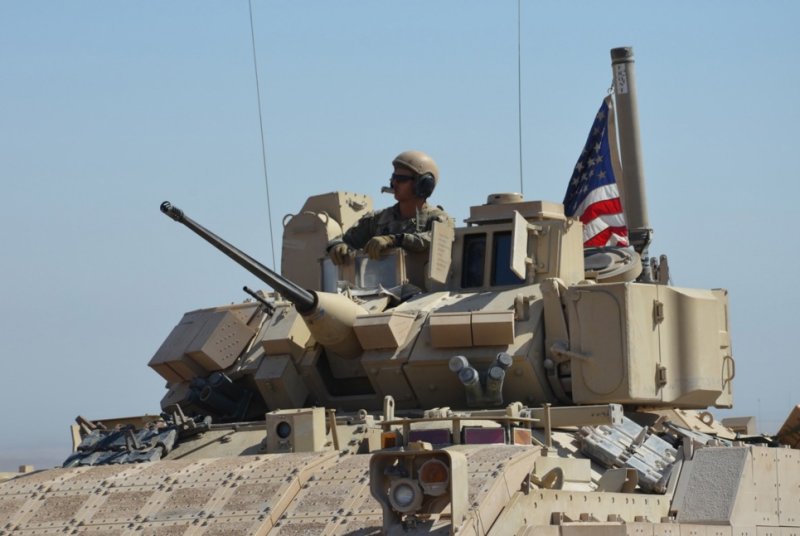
(360, 233)
(416, 241)
(421, 240)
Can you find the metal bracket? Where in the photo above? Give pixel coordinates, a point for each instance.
(560, 350)
(560, 416)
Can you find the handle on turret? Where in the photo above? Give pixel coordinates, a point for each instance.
(303, 300)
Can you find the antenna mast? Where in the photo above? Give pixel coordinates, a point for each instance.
(261, 128)
(519, 89)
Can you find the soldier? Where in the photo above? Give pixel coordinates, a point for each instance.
(407, 224)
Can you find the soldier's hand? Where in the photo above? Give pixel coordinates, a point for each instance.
(378, 245)
(340, 254)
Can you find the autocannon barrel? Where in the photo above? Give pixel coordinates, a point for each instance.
(303, 300)
(330, 317)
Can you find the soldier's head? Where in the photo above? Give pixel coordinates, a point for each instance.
(415, 171)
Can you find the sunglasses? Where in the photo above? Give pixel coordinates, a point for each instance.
(401, 178)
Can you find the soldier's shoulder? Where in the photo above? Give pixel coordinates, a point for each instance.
(386, 214)
(372, 214)
(437, 212)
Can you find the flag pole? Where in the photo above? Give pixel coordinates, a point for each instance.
(627, 111)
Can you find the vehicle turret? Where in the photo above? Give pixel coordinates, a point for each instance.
(516, 317)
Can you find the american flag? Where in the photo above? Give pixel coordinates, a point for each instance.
(592, 195)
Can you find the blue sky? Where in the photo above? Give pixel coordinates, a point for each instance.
(109, 108)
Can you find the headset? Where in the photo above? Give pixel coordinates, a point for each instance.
(424, 185)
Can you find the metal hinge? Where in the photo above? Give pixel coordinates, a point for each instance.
(661, 375)
(658, 312)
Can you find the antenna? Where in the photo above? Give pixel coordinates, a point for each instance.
(519, 89)
(261, 128)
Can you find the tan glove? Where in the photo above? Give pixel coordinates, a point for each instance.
(378, 245)
(340, 254)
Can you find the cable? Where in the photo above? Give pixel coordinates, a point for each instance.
(261, 127)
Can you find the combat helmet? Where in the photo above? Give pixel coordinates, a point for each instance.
(425, 169)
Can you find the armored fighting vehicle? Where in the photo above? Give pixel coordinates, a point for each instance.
(508, 381)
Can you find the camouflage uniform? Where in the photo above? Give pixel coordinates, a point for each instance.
(416, 231)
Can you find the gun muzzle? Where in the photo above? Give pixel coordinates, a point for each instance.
(173, 212)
